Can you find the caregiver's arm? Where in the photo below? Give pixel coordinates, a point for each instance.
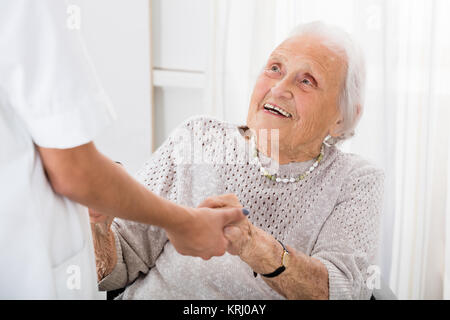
(86, 176)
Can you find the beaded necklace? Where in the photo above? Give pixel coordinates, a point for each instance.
(274, 177)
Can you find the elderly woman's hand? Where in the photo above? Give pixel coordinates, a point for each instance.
(239, 235)
(304, 277)
(101, 220)
(104, 245)
(240, 238)
(254, 246)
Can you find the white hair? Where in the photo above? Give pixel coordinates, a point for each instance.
(351, 100)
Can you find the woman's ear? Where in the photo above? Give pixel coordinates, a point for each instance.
(337, 128)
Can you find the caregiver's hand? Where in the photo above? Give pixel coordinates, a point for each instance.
(201, 231)
(229, 200)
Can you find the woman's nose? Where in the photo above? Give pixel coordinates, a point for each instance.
(281, 89)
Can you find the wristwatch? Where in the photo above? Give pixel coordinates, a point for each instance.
(280, 269)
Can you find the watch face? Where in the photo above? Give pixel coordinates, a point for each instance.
(285, 254)
(285, 258)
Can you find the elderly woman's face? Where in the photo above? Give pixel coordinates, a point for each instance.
(298, 93)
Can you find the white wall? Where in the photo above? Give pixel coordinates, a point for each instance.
(117, 35)
(180, 35)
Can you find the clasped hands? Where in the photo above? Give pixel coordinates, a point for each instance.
(241, 235)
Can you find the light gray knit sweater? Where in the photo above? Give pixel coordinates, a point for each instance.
(332, 215)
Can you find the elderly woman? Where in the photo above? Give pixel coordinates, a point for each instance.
(312, 231)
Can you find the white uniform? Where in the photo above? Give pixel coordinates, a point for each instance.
(49, 96)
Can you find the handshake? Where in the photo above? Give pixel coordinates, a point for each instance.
(216, 226)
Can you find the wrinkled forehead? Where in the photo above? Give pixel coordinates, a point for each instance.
(313, 50)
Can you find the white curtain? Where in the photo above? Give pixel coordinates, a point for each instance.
(447, 235)
(405, 125)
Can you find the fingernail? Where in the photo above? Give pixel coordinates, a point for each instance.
(245, 212)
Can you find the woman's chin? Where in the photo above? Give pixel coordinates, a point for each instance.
(263, 124)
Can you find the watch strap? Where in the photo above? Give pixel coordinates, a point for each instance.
(280, 269)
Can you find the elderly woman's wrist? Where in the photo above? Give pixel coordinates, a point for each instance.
(262, 252)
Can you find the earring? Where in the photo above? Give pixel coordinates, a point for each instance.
(329, 141)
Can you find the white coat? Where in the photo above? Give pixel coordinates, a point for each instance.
(49, 96)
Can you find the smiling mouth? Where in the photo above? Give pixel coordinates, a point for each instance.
(276, 110)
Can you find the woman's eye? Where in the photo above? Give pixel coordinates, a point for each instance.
(274, 68)
(307, 82)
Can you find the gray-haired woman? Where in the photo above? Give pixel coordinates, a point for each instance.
(312, 231)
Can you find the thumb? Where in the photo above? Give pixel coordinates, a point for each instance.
(234, 215)
(232, 233)
(234, 236)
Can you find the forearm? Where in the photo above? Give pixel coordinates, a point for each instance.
(304, 277)
(86, 176)
(113, 192)
(105, 249)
